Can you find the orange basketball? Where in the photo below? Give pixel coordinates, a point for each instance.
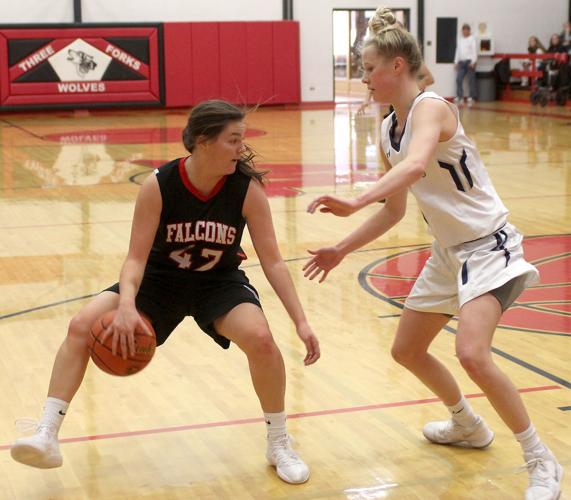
(102, 355)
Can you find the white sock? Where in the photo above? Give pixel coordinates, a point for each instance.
(54, 411)
(275, 425)
(530, 442)
(462, 413)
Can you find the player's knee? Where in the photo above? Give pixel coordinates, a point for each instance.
(79, 328)
(473, 361)
(405, 356)
(260, 342)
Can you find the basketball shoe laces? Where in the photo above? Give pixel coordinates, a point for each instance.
(452, 428)
(539, 473)
(284, 454)
(29, 426)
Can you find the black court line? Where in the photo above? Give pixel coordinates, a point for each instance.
(25, 130)
(539, 371)
(564, 408)
(534, 332)
(362, 278)
(257, 264)
(390, 316)
(63, 224)
(135, 177)
(538, 308)
(366, 250)
(64, 187)
(46, 306)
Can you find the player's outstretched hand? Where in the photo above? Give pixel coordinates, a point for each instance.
(362, 108)
(342, 207)
(323, 261)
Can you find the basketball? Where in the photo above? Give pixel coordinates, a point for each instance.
(102, 356)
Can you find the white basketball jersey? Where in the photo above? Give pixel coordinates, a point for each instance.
(456, 195)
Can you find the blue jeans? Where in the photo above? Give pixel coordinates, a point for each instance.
(463, 70)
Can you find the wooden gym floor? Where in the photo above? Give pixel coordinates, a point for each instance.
(189, 425)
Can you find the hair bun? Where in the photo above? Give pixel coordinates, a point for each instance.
(382, 19)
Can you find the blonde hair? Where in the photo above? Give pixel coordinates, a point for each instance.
(391, 39)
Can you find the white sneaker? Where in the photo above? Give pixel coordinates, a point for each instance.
(449, 432)
(545, 476)
(459, 101)
(39, 450)
(289, 466)
(470, 102)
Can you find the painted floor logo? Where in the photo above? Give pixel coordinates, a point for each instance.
(544, 309)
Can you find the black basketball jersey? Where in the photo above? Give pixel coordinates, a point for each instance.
(198, 233)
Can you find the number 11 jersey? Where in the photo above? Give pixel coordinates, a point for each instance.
(455, 194)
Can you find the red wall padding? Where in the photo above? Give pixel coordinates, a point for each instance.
(205, 68)
(259, 62)
(178, 64)
(242, 62)
(233, 71)
(286, 62)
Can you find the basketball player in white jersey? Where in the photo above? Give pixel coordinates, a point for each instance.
(476, 269)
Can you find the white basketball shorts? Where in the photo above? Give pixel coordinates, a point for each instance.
(455, 275)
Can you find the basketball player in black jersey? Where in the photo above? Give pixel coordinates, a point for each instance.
(183, 260)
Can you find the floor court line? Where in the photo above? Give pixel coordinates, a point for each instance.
(364, 273)
(247, 266)
(244, 421)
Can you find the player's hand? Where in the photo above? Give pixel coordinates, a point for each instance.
(323, 261)
(311, 343)
(362, 108)
(123, 327)
(342, 207)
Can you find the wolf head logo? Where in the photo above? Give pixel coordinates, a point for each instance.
(84, 63)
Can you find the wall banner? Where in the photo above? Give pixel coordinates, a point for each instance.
(81, 65)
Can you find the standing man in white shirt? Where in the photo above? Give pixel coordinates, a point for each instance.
(465, 63)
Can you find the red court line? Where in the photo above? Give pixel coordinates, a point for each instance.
(243, 421)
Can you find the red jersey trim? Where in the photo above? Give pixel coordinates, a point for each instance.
(195, 192)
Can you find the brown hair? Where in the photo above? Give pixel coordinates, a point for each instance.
(207, 120)
(392, 40)
(538, 45)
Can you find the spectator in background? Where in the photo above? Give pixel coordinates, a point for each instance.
(424, 77)
(534, 46)
(565, 36)
(465, 61)
(555, 44)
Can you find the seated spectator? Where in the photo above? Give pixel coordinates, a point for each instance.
(566, 36)
(534, 46)
(555, 45)
(552, 67)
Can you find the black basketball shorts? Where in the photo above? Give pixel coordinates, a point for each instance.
(205, 297)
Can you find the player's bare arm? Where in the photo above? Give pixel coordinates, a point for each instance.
(259, 220)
